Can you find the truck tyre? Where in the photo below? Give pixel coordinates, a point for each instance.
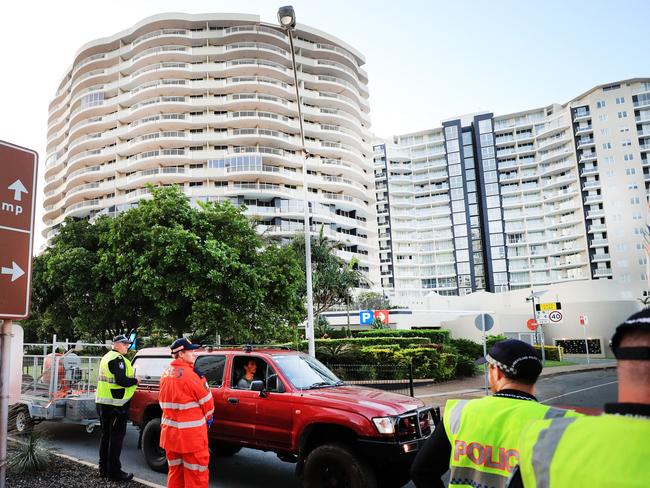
(20, 422)
(153, 453)
(337, 465)
(224, 449)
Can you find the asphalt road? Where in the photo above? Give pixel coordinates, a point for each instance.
(250, 468)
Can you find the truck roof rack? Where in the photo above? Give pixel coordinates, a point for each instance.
(248, 347)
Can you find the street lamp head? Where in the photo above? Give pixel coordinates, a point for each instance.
(287, 17)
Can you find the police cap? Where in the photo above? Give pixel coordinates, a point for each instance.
(518, 359)
(121, 339)
(639, 321)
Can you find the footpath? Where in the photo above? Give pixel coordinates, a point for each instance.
(437, 394)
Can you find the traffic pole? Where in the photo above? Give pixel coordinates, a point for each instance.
(586, 342)
(5, 351)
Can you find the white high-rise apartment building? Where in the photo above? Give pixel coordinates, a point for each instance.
(543, 196)
(208, 102)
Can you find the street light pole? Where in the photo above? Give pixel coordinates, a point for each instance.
(287, 19)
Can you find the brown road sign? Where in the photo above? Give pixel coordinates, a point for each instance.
(18, 167)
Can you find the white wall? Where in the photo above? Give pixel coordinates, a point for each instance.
(604, 302)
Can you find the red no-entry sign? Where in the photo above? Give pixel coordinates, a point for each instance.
(532, 324)
(18, 167)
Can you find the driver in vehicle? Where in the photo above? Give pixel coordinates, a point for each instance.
(250, 368)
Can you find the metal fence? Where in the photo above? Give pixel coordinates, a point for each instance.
(395, 378)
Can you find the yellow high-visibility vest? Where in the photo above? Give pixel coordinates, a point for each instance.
(484, 435)
(106, 381)
(609, 450)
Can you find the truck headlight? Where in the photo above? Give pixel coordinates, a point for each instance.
(385, 425)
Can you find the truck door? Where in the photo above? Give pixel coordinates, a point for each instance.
(275, 412)
(235, 419)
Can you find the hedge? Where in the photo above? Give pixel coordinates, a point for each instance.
(372, 341)
(552, 353)
(428, 363)
(438, 336)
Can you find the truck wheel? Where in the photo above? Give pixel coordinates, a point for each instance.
(334, 465)
(224, 449)
(20, 422)
(153, 453)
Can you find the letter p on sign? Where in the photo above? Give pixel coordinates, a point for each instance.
(366, 317)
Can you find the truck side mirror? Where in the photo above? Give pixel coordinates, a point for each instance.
(258, 385)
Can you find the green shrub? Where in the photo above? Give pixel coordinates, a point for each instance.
(553, 353)
(29, 456)
(438, 336)
(378, 354)
(446, 367)
(322, 327)
(337, 352)
(491, 340)
(465, 366)
(342, 333)
(428, 363)
(466, 347)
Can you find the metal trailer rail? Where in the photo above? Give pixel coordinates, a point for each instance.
(57, 387)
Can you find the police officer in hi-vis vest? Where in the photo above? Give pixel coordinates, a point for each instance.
(477, 439)
(115, 387)
(611, 450)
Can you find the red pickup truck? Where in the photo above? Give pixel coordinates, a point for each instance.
(338, 435)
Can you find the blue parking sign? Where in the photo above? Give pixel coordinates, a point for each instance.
(366, 317)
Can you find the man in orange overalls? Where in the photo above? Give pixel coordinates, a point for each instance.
(188, 408)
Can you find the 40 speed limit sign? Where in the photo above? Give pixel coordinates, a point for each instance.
(555, 316)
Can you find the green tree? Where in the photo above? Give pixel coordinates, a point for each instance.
(70, 296)
(169, 268)
(370, 300)
(333, 279)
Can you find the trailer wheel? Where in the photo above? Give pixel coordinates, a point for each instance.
(20, 422)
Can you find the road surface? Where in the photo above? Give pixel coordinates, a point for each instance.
(249, 467)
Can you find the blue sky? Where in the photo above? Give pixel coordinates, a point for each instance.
(426, 60)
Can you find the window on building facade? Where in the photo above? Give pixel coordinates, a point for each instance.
(622, 115)
(485, 126)
(600, 103)
(620, 100)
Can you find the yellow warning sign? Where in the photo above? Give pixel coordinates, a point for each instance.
(546, 307)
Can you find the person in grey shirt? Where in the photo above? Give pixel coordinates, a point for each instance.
(250, 368)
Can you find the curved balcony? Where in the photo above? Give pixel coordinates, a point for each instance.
(163, 176)
(82, 209)
(328, 51)
(333, 84)
(162, 54)
(161, 33)
(149, 159)
(87, 175)
(151, 141)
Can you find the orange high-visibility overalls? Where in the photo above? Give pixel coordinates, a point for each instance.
(187, 406)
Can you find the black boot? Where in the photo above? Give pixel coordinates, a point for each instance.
(121, 476)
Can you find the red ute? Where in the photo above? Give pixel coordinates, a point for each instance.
(297, 408)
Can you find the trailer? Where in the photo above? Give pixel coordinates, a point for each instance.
(58, 385)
